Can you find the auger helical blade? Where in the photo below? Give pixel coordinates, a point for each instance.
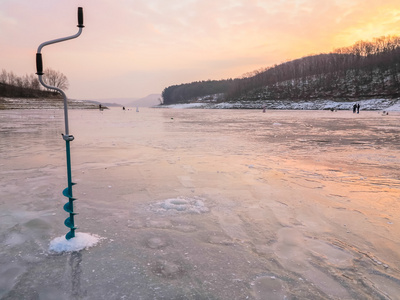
(67, 192)
(70, 234)
(69, 222)
(69, 208)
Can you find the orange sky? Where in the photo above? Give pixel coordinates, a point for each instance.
(132, 48)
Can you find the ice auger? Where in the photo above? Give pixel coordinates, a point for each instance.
(69, 206)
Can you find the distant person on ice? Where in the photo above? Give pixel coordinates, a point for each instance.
(358, 107)
(354, 108)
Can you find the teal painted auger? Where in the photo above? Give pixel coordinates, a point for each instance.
(67, 192)
(69, 206)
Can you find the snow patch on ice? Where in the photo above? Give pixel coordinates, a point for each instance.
(193, 205)
(79, 242)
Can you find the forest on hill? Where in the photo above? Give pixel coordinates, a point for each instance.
(364, 70)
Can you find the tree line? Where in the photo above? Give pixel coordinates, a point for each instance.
(365, 69)
(28, 86)
(183, 93)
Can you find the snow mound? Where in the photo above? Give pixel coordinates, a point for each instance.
(181, 204)
(79, 242)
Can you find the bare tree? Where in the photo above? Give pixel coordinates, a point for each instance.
(3, 76)
(11, 78)
(56, 78)
(34, 82)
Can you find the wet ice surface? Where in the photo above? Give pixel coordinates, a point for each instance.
(202, 204)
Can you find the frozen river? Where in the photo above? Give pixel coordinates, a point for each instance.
(202, 204)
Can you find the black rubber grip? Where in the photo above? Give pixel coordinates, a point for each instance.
(39, 64)
(80, 17)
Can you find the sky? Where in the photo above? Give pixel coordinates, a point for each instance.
(133, 48)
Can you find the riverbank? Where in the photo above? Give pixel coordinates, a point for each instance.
(43, 103)
(365, 104)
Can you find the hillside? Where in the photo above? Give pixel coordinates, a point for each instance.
(148, 101)
(366, 70)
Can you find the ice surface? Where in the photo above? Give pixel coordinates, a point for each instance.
(201, 204)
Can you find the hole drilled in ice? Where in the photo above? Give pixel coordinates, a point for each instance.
(178, 204)
(79, 242)
(181, 204)
(168, 269)
(157, 243)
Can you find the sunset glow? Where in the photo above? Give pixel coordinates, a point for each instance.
(134, 48)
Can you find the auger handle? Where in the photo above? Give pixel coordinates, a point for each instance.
(39, 60)
(39, 64)
(80, 17)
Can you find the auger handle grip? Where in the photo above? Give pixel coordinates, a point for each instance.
(80, 17)
(39, 64)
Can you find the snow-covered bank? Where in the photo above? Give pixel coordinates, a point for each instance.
(369, 104)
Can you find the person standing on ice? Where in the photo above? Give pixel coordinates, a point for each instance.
(354, 108)
(358, 107)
